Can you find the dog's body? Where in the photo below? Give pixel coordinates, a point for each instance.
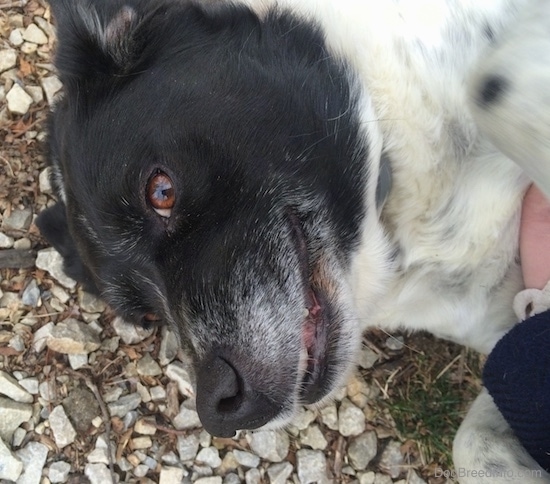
(276, 128)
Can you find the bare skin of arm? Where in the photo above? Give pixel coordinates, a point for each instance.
(534, 242)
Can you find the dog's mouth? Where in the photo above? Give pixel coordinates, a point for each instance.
(314, 359)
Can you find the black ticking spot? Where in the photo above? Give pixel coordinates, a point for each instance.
(492, 89)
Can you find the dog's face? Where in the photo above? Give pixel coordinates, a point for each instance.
(210, 175)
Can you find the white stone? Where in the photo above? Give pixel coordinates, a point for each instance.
(188, 446)
(73, 337)
(391, 460)
(209, 456)
(145, 427)
(28, 48)
(51, 261)
(362, 450)
(253, 476)
(22, 244)
(36, 93)
(311, 466)
(59, 471)
(18, 100)
(130, 333)
(90, 303)
(78, 360)
(52, 86)
(177, 372)
(6, 242)
(33, 456)
(246, 459)
(209, 480)
(171, 475)
(41, 336)
(13, 415)
(16, 37)
(329, 416)
(271, 445)
(279, 473)
(313, 437)
(187, 418)
(44, 180)
(97, 473)
(124, 405)
(10, 466)
(59, 293)
(8, 59)
(63, 431)
(351, 419)
(34, 34)
(30, 384)
(146, 366)
(11, 388)
(168, 346)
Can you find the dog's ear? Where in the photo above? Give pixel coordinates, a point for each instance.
(52, 223)
(96, 38)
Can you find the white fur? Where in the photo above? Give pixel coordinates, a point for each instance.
(452, 216)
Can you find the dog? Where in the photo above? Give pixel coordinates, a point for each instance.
(271, 177)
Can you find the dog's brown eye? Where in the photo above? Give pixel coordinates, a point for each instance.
(161, 194)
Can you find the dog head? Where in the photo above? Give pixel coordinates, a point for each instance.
(210, 171)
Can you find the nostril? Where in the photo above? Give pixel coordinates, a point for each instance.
(228, 399)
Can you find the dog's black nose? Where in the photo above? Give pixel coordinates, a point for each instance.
(227, 402)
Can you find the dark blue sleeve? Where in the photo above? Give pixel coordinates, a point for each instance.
(517, 375)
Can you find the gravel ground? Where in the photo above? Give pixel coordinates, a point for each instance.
(85, 397)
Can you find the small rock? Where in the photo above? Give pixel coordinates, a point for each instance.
(395, 343)
(6, 242)
(391, 460)
(246, 459)
(414, 478)
(209, 480)
(31, 295)
(329, 416)
(271, 445)
(253, 476)
(51, 261)
(33, 456)
(81, 407)
(90, 303)
(367, 477)
(130, 419)
(157, 393)
(10, 466)
(17, 343)
(97, 473)
(73, 337)
(13, 415)
(59, 471)
(78, 361)
(16, 37)
(168, 346)
(35, 35)
(351, 419)
(59, 293)
(41, 337)
(19, 219)
(279, 473)
(130, 333)
(44, 180)
(100, 455)
(186, 419)
(141, 470)
(36, 93)
(144, 442)
(8, 59)
(30, 384)
(188, 446)
(63, 431)
(209, 456)
(313, 437)
(47, 390)
(22, 244)
(11, 388)
(18, 100)
(382, 479)
(177, 372)
(124, 405)
(146, 366)
(51, 85)
(145, 427)
(311, 466)
(171, 475)
(362, 450)
(232, 478)
(303, 419)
